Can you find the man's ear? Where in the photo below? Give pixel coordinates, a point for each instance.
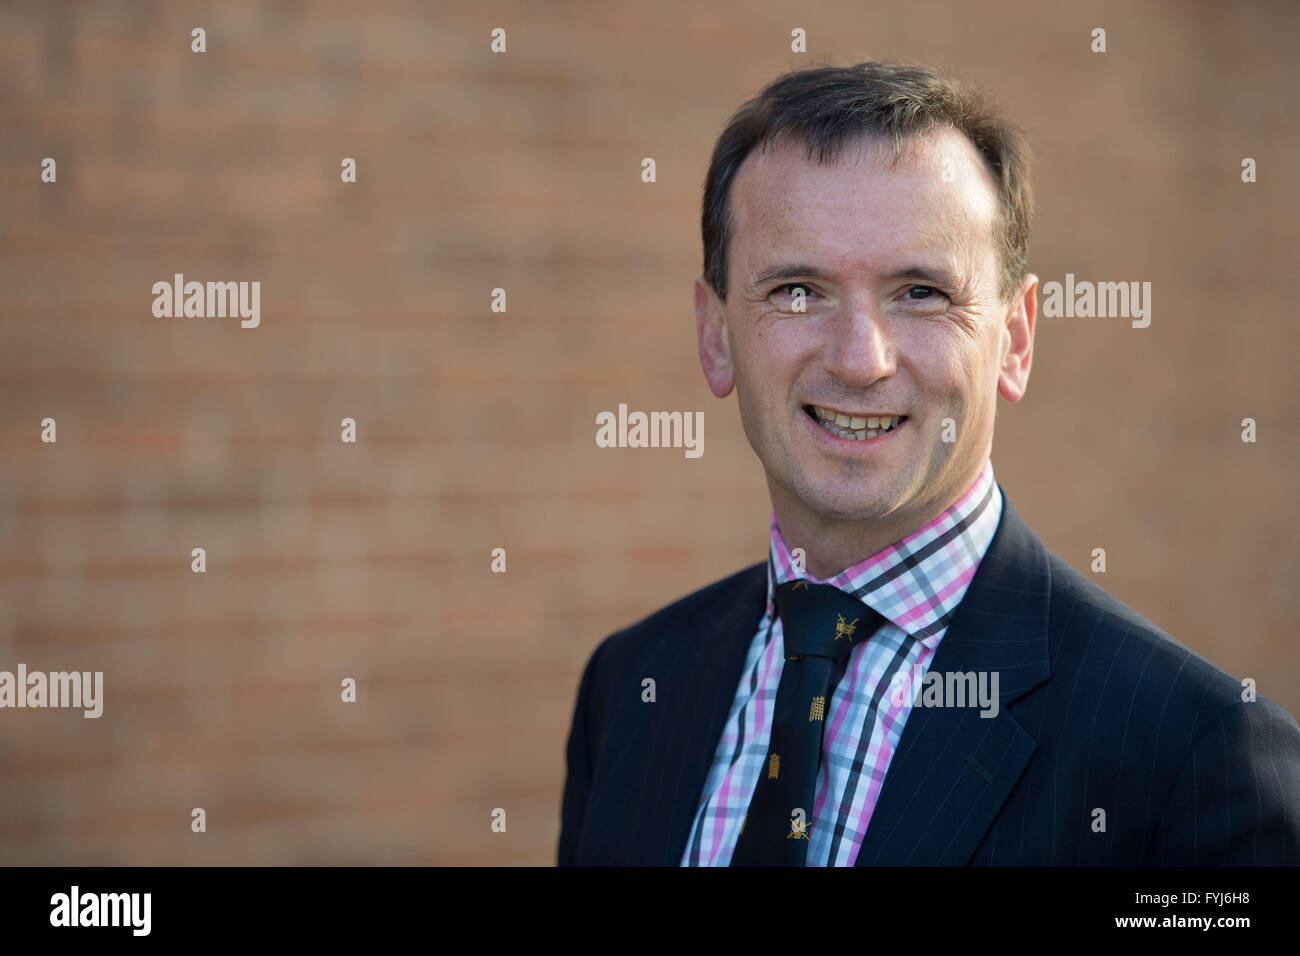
(1018, 340)
(715, 349)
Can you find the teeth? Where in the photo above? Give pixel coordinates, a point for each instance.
(858, 429)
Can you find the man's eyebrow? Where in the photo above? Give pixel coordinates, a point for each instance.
(938, 275)
(789, 270)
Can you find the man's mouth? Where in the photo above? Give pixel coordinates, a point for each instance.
(853, 427)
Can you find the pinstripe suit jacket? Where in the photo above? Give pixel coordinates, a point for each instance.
(1104, 721)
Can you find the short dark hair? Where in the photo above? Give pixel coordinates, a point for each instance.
(828, 106)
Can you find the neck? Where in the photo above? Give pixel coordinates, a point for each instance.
(833, 544)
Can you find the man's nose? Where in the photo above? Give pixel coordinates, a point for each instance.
(859, 351)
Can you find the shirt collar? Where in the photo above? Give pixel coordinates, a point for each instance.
(915, 583)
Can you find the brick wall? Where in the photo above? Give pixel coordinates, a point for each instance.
(476, 429)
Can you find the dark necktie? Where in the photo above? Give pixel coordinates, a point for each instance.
(820, 626)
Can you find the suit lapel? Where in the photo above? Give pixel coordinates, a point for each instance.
(954, 769)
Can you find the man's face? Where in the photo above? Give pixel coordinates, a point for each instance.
(899, 273)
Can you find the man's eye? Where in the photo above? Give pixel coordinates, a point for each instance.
(925, 289)
(807, 290)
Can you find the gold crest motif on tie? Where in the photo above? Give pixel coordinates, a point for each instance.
(799, 827)
(773, 766)
(845, 628)
(800, 585)
(818, 709)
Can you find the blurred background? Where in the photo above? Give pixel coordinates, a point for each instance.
(476, 429)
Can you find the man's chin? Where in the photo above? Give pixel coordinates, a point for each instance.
(840, 507)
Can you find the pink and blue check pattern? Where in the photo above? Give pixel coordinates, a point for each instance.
(916, 585)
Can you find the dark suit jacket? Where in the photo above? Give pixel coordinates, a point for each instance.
(1098, 709)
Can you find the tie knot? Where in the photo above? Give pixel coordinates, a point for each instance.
(822, 620)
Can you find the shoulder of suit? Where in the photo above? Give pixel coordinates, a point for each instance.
(1100, 626)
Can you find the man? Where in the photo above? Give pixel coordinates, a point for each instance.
(911, 678)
